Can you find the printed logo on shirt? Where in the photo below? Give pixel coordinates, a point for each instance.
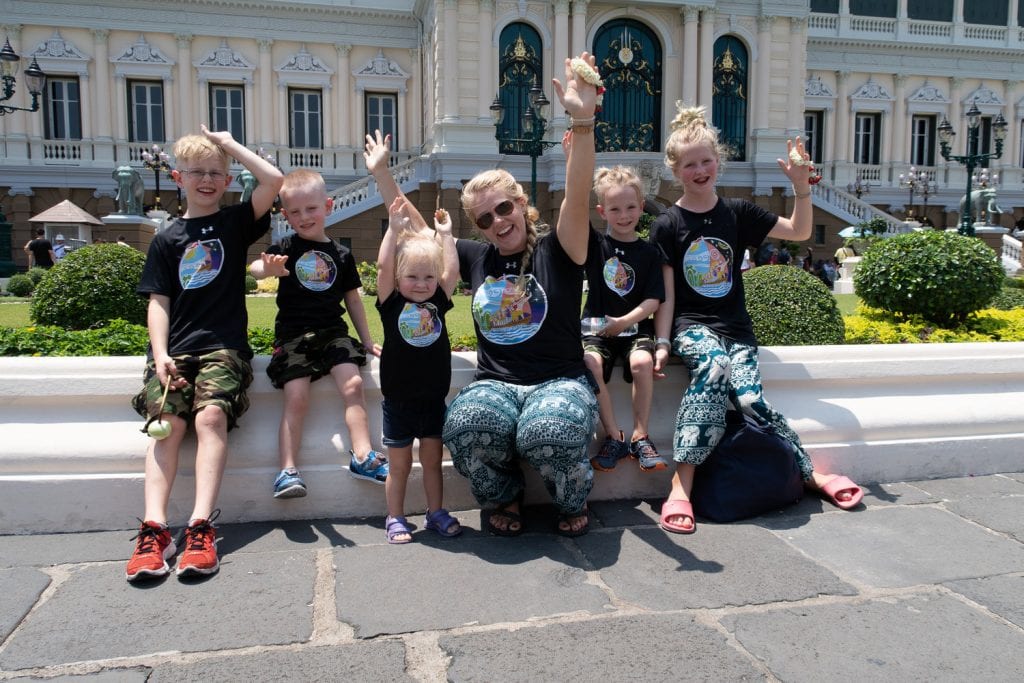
(508, 313)
(707, 266)
(619, 276)
(200, 263)
(419, 324)
(316, 270)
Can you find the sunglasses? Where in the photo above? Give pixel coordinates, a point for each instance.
(485, 221)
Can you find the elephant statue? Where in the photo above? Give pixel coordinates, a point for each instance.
(248, 182)
(985, 197)
(130, 190)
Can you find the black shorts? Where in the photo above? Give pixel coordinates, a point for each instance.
(610, 349)
(408, 420)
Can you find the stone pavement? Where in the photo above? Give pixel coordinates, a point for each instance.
(924, 582)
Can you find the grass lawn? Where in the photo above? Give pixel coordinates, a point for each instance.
(262, 309)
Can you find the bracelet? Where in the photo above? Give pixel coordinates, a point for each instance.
(662, 341)
(582, 130)
(581, 122)
(805, 195)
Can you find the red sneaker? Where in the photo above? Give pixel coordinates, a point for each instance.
(199, 557)
(154, 547)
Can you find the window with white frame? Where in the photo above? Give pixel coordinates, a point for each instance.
(867, 138)
(305, 112)
(922, 140)
(146, 111)
(227, 109)
(382, 115)
(814, 122)
(63, 109)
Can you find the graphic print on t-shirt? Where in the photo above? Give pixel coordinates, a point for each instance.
(619, 276)
(200, 263)
(507, 313)
(419, 324)
(707, 267)
(316, 270)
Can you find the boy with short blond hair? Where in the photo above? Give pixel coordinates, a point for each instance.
(199, 354)
(318, 281)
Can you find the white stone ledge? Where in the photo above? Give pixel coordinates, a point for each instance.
(71, 453)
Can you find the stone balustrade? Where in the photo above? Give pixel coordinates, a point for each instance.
(71, 453)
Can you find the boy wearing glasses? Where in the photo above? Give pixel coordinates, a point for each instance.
(318, 281)
(198, 343)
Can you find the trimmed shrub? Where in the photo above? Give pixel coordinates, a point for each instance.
(791, 307)
(941, 276)
(116, 339)
(20, 284)
(1008, 299)
(368, 277)
(250, 284)
(37, 274)
(90, 287)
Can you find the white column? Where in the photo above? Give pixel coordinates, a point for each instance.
(101, 83)
(414, 113)
(560, 51)
(403, 118)
(249, 92)
(691, 26)
(121, 95)
(760, 93)
(900, 151)
(16, 120)
(450, 68)
(186, 105)
(706, 62)
(579, 27)
(843, 133)
(797, 73)
(265, 93)
(345, 137)
(1011, 151)
(282, 118)
(486, 75)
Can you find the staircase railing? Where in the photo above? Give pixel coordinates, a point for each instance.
(363, 195)
(847, 206)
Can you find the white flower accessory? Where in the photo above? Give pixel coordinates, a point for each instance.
(588, 74)
(798, 159)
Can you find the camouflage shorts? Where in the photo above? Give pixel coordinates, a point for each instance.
(312, 355)
(219, 378)
(615, 348)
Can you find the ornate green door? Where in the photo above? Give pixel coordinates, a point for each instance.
(629, 59)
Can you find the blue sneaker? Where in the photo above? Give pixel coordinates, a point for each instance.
(612, 451)
(289, 484)
(643, 450)
(374, 468)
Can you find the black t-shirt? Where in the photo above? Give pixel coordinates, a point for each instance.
(626, 275)
(200, 264)
(528, 333)
(310, 297)
(40, 248)
(416, 359)
(706, 254)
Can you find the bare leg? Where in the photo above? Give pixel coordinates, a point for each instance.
(641, 365)
(293, 417)
(350, 385)
(682, 484)
(211, 456)
(433, 483)
(595, 364)
(161, 469)
(398, 479)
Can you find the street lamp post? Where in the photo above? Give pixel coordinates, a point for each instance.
(859, 186)
(972, 158)
(35, 79)
(918, 182)
(534, 125)
(156, 161)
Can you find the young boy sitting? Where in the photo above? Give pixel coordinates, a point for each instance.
(198, 342)
(310, 337)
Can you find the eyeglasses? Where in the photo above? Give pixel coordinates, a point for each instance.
(196, 174)
(485, 221)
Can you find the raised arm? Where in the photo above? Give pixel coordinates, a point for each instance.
(796, 166)
(269, 265)
(579, 99)
(398, 221)
(377, 154)
(450, 276)
(268, 176)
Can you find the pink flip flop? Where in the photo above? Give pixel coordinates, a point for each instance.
(841, 483)
(673, 508)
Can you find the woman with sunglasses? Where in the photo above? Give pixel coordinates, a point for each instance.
(531, 398)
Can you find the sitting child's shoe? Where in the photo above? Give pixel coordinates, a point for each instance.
(644, 451)
(374, 468)
(289, 484)
(199, 557)
(154, 547)
(612, 450)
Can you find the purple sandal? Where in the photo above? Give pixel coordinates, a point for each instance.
(397, 526)
(443, 523)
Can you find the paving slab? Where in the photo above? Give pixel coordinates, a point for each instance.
(96, 614)
(966, 487)
(911, 638)
(1004, 514)
(382, 661)
(631, 648)
(897, 493)
(719, 565)
(136, 675)
(45, 550)
(463, 580)
(905, 546)
(20, 588)
(1002, 595)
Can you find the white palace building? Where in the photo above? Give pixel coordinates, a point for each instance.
(869, 83)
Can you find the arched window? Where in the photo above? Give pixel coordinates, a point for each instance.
(519, 66)
(629, 59)
(729, 95)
